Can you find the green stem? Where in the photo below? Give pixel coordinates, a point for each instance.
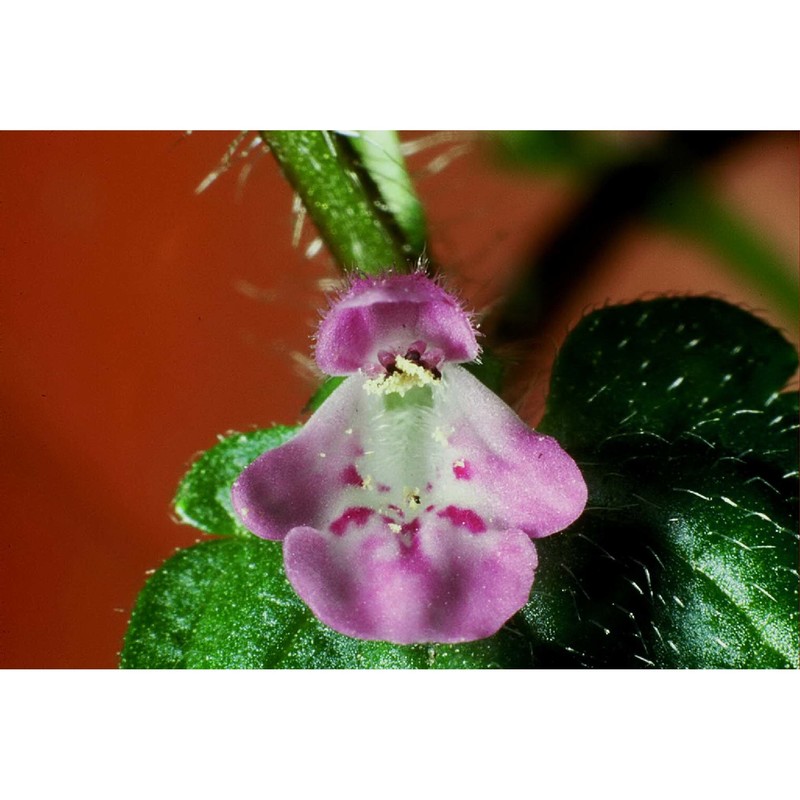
(342, 200)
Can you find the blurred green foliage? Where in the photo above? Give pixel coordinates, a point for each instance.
(658, 177)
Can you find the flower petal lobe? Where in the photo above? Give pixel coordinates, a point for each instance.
(443, 587)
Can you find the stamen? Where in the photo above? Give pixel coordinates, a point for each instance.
(404, 375)
(412, 497)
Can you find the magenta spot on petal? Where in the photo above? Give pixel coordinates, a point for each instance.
(430, 508)
(411, 527)
(397, 510)
(350, 476)
(382, 487)
(408, 537)
(462, 470)
(464, 517)
(357, 515)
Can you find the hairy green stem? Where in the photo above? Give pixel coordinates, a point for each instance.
(343, 201)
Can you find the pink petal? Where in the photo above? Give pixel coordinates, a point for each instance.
(498, 466)
(467, 449)
(437, 583)
(304, 481)
(389, 314)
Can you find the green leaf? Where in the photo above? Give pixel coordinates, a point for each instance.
(227, 604)
(687, 553)
(664, 366)
(204, 495)
(342, 201)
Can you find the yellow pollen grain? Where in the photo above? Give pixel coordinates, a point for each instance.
(439, 436)
(407, 375)
(366, 483)
(395, 528)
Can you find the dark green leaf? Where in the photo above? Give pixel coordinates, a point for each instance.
(665, 366)
(204, 495)
(687, 554)
(227, 604)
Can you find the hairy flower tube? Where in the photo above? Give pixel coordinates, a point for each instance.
(408, 503)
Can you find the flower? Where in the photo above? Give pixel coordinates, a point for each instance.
(408, 503)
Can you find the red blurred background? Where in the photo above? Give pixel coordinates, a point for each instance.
(140, 319)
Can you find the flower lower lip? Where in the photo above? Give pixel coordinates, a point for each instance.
(456, 462)
(407, 591)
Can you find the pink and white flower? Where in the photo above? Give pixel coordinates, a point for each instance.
(408, 503)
